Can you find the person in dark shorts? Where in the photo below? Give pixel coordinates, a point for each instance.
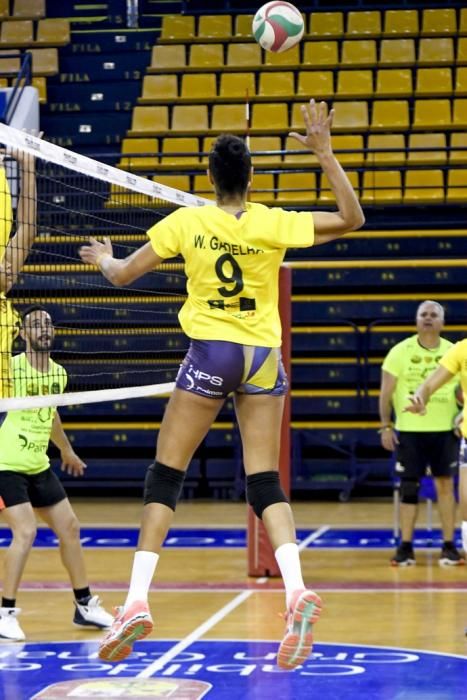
(29, 486)
(421, 444)
(232, 253)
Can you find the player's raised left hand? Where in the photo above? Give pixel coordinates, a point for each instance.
(93, 252)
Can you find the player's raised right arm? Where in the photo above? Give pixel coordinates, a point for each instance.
(349, 215)
(123, 271)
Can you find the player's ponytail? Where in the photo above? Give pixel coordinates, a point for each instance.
(230, 165)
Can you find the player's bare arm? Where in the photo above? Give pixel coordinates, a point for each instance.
(349, 215)
(120, 272)
(388, 435)
(71, 463)
(422, 395)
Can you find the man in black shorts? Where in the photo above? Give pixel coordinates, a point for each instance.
(421, 442)
(28, 484)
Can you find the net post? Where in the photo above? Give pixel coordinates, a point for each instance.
(261, 560)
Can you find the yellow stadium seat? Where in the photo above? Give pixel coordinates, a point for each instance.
(206, 145)
(243, 25)
(270, 116)
(286, 58)
(352, 143)
(163, 57)
(386, 157)
(364, 23)
(326, 195)
(173, 146)
(203, 187)
(11, 64)
(389, 115)
(458, 140)
(122, 197)
(320, 53)
(463, 21)
(228, 118)
(359, 52)
(293, 157)
(457, 186)
(248, 55)
(199, 86)
(278, 83)
(395, 82)
(215, 26)
(439, 21)
(355, 83)
(424, 186)
(401, 23)
(17, 33)
(265, 143)
(350, 116)
(178, 27)
(382, 187)
(136, 162)
(262, 188)
(178, 182)
(53, 31)
(297, 187)
(206, 55)
(44, 61)
(189, 118)
(435, 51)
(461, 82)
(434, 81)
(462, 51)
(4, 82)
(432, 114)
(329, 25)
(459, 120)
(40, 84)
(149, 120)
(237, 85)
(4, 9)
(30, 9)
(159, 87)
(428, 157)
(315, 84)
(397, 52)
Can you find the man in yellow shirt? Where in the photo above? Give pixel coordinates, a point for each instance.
(29, 486)
(232, 253)
(420, 444)
(13, 253)
(453, 363)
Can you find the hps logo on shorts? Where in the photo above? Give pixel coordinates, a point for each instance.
(220, 670)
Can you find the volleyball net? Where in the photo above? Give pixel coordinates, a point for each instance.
(117, 342)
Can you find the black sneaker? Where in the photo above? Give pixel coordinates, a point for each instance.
(404, 556)
(450, 556)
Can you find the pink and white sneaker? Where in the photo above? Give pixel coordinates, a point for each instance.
(304, 611)
(127, 627)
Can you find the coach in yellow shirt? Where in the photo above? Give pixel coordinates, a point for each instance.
(421, 443)
(232, 253)
(13, 253)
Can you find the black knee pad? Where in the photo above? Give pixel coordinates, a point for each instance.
(263, 490)
(163, 485)
(409, 491)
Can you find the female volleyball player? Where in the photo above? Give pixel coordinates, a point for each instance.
(232, 253)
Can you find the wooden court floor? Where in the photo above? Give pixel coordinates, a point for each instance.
(366, 601)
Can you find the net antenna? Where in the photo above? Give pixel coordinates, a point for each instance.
(110, 341)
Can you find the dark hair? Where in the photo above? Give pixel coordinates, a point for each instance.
(31, 309)
(230, 165)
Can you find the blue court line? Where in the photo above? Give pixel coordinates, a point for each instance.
(338, 538)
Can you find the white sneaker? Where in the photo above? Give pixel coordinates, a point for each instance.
(9, 625)
(92, 615)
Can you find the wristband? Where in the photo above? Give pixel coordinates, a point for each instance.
(101, 256)
(385, 428)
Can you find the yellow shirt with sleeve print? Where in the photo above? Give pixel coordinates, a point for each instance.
(455, 361)
(232, 265)
(9, 319)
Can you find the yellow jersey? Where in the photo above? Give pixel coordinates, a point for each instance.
(232, 264)
(6, 215)
(455, 361)
(9, 329)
